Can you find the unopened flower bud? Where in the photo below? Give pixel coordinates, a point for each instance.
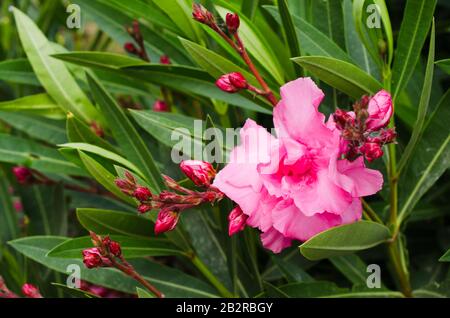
(237, 220)
(160, 106)
(144, 208)
(388, 135)
(372, 151)
(342, 119)
(93, 258)
(142, 194)
(22, 174)
(200, 14)
(200, 172)
(164, 59)
(232, 83)
(115, 248)
(233, 22)
(31, 291)
(380, 110)
(130, 48)
(166, 221)
(125, 186)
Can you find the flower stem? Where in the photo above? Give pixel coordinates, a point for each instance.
(210, 276)
(370, 212)
(396, 255)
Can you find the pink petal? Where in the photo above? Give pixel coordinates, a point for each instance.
(274, 240)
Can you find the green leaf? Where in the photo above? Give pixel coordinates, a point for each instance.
(445, 257)
(52, 74)
(74, 292)
(34, 155)
(423, 105)
(9, 222)
(431, 159)
(18, 71)
(413, 32)
(172, 282)
(291, 271)
(115, 222)
(39, 104)
(99, 59)
(79, 132)
(352, 267)
(344, 76)
(444, 65)
(143, 293)
(131, 247)
(354, 45)
(126, 135)
(289, 30)
(38, 127)
(104, 153)
(312, 41)
(104, 177)
(257, 46)
(345, 239)
(327, 17)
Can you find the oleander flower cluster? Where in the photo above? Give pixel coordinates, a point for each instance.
(300, 182)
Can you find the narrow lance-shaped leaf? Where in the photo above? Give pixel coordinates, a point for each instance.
(126, 135)
(423, 105)
(52, 74)
(345, 239)
(413, 32)
(39, 104)
(344, 76)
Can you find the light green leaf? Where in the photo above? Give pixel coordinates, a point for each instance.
(143, 293)
(52, 74)
(9, 222)
(344, 76)
(345, 239)
(39, 104)
(444, 65)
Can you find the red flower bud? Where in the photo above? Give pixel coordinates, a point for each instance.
(31, 291)
(125, 186)
(130, 48)
(142, 194)
(166, 221)
(200, 14)
(22, 174)
(164, 59)
(200, 172)
(233, 22)
(160, 106)
(232, 82)
(238, 80)
(237, 220)
(372, 151)
(144, 208)
(387, 136)
(115, 248)
(342, 119)
(93, 258)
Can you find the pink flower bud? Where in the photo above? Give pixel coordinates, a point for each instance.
(31, 291)
(166, 221)
(125, 186)
(200, 172)
(200, 14)
(388, 135)
(130, 48)
(164, 59)
(142, 194)
(238, 80)
(22, 174)
(233, 22)
(237, 220)
(144, 208)
(380, 110)
(372, 151)
(160, 106)
(93, 258)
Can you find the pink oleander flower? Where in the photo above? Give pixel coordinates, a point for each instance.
(93, 258)
(296, 185)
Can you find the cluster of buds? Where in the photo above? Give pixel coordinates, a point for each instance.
(103, 253)
(28, 290)
(170, 203)
(233, 82)
(108, 253)
(364, 128)
(135, 32)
